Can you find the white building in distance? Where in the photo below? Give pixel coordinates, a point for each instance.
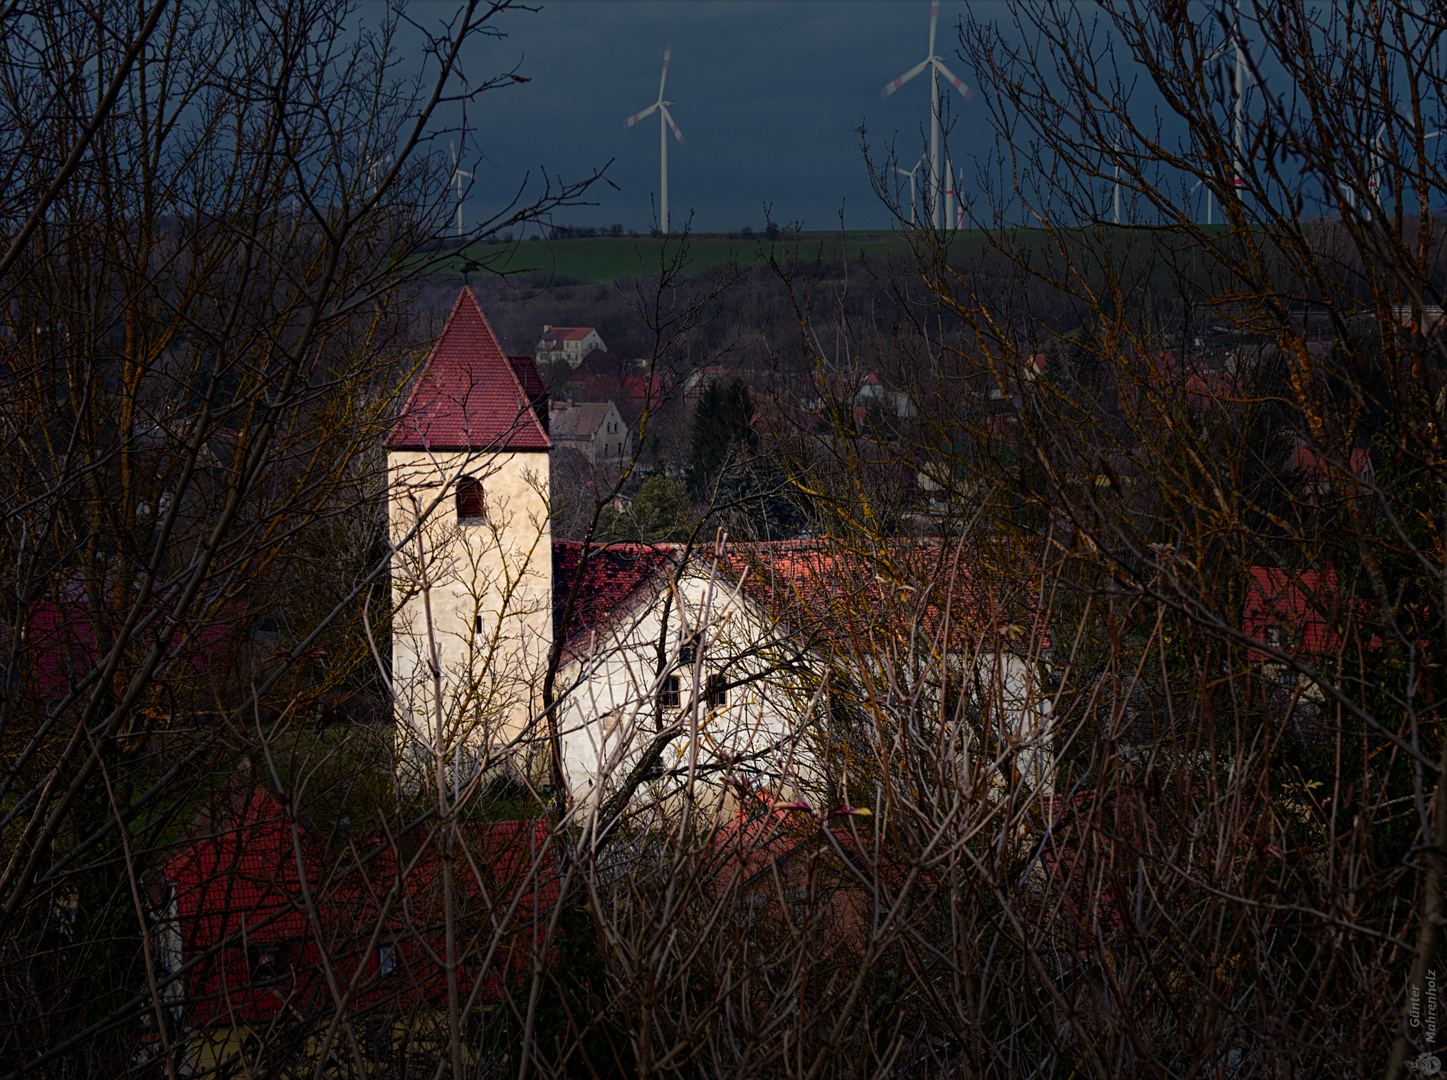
(569, 343)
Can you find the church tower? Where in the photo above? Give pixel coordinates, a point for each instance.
(467, 469)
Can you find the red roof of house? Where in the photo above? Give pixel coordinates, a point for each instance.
(828, 593)
(1316, 464)
(254, 949)
(1202, 385)
(468, 396)
(1308, 606)
(814, 589)
(61, 648)
(567, 333)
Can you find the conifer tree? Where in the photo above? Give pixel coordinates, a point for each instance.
(723, 435)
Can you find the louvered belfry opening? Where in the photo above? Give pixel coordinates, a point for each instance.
(469, 502)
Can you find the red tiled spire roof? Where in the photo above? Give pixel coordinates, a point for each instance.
(468, 396)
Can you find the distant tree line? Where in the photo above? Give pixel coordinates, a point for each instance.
(582, 232)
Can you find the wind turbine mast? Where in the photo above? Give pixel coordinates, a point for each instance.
(934, 113)
(1240, 162)
(937, 68)
(457, 175)
(910, 173)
(1234, 40)
(665, 124)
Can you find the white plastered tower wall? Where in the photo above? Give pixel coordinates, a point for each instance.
(473, 594)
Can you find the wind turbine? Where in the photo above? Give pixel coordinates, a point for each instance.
(1115, 146)
(1238, 159)
(950, 222)
(457, 175)
(377, 164)
(1377, 160)
(1194, 186)
(665, 122)
(1377, 164)
(937, 68)
(910, 173)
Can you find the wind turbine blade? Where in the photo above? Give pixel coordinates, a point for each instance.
(671, 125)
(953, 79)
(890, 88)
(667, 52)
(640, 116)
(934, 18)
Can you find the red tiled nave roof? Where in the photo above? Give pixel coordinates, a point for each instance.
(816, 590)
(612, 574)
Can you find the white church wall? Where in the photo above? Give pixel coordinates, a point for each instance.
(1011, 687)
(611, 714)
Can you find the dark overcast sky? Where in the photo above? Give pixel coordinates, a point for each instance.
(769, 97)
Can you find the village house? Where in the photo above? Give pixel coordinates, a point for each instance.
(823, 391)
(569, 344)
(1321, 473)
(255, 898)
(594, 429)
(698, 380)
(662, 639)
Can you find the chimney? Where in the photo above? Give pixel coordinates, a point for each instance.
(546, 328)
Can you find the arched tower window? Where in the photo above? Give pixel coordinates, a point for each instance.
(470, 508)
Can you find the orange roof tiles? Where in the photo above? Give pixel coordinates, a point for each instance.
(1309, 607)
(814, 589)
(825, 592)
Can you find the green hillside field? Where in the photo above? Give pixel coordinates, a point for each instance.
(1134, 252)
(602, 259)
